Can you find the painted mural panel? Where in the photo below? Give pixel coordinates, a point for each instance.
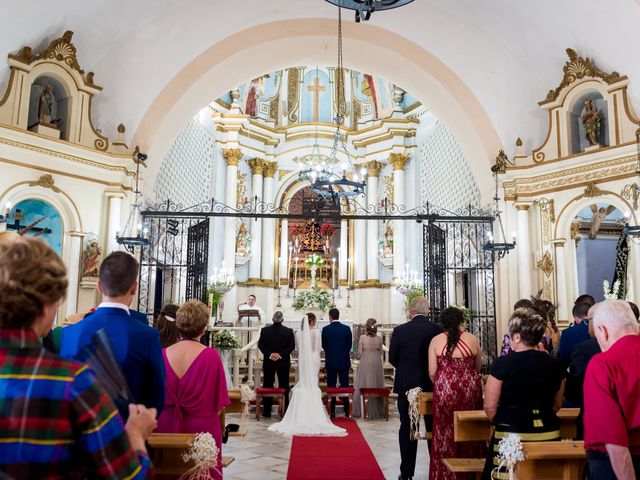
(42, 218)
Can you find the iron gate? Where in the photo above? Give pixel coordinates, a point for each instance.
(457, 271)
(173, 266)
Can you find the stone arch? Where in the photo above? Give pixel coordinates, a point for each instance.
(259, 49)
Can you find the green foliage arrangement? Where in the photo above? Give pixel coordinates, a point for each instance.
(314, 299)
(411, 295)
(314, 259)
(214, 299)
(225, 340)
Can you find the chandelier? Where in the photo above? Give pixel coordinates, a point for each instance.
(634, 230)
(500, 249)
(364, 8)
(330, 178)
(128, 240)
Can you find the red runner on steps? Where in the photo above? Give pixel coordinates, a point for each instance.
(335, 458)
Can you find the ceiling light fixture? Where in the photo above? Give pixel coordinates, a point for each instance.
(364, 8)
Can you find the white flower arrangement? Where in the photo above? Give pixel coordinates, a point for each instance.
(203, 452)
(611, 294)
(510, 452)
(413, 396)
(314, 260)
(247, 395)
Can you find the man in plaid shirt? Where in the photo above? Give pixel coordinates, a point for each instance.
(56, 421)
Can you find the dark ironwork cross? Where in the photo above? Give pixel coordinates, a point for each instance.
(30, 228)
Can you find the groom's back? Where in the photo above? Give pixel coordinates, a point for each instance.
(336, 343)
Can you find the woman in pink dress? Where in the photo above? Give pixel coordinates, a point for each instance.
(195, 381)
(454, 364)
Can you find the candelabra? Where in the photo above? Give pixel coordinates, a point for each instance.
(408, 283)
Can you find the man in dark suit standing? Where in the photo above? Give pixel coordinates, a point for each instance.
(276, 344)
(337, 342)
(136, 346)
(408, 354)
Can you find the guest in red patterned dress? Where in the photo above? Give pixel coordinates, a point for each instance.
(454, 365)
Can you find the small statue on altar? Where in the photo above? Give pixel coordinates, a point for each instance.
(591, 122)
(388, 241)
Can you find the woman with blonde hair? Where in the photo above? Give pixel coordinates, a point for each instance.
(370, 372)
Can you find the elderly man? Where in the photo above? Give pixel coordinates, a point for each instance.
(408, 353)
(611, 389)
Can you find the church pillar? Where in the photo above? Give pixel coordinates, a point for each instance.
(399, 162)
(114, 226)
(373, 170)
(284, 250)
(524, 251)
(232, 156)
(343, 272)
(359, 251)
(73, 274)
(562, 299)
(635, 270)
(257, 170)
(268, 224)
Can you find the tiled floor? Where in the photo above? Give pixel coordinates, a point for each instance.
(263, 455)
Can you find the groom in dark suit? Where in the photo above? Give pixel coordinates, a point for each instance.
(337, 343)
(276, 344)
(408, 354)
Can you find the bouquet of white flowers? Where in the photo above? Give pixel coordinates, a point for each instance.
(611, 294)
(203, 452)
(413, 396)
(314, 260)
(225, 340)
(510, 452)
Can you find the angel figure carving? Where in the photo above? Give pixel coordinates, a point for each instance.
(599, 214)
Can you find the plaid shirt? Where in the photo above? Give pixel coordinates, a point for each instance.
(55, 420)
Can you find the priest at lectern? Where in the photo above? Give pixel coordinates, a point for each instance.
(250, 314)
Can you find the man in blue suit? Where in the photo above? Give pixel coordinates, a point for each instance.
(136, 346)
(337, 343)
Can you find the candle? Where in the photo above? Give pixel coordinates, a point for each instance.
(295, 274)
(333, 272)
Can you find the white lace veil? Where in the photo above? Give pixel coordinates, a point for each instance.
(307, 376)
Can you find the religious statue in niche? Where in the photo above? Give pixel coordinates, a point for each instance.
(242, 240)
(91, 257)
(256, 90)
(388, 241)
(599, 214)
(45, 106)
(591, 122)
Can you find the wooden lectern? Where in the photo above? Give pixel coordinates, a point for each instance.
(249, 315)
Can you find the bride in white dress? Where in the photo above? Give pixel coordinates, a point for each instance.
(306, 414)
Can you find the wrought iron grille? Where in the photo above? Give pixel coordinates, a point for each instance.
(173, 267)
(457, 271)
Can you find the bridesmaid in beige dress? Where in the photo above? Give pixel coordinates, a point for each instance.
(370, 373)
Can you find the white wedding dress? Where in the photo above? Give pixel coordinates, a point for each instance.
(306, 414)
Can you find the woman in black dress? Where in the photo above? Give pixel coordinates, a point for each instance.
(524, 390)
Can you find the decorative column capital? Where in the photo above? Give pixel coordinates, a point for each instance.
(269, 169)
(522, 207)
(232, 156)
(373, 168)
(398, 160)
(257, 166)
(559, 242)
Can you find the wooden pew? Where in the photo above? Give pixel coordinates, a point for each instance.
(549, 460)
(166, 451)
(425, 407)
(474, 425)
(236, 406)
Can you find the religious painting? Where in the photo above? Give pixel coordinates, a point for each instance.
(256, 90)
(35, 217)
(316, 97)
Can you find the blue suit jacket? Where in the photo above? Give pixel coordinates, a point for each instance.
(337, 343)
(571, 337)
(136, 346)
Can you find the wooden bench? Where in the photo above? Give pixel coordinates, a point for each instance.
(466, 465)
(474, 425)
(276, 394)
(236, 406)
(338, 392)
(368, 393)
(166, 449)
(564, 460)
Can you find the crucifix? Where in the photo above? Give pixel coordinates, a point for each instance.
(316, 88)
(31, 228)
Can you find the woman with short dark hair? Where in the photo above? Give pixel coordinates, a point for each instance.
(196, 389)
(524, 389)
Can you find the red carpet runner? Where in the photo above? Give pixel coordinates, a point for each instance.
(334, 458)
